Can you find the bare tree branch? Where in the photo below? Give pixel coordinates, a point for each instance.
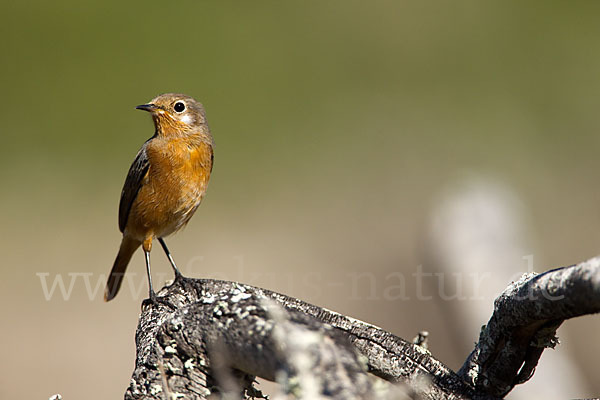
(254, 338)
(209, 336)
(524, 323)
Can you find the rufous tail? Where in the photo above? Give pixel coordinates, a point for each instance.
(128, 247)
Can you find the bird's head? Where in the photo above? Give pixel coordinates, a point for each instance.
(176, 114)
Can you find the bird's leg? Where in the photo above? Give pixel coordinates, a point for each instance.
(178, 274)
(152, 295)
(153, 298)
(179, 278)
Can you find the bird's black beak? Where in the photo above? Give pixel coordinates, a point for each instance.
(148, 107)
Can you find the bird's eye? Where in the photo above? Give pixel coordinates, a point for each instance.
(179, 106)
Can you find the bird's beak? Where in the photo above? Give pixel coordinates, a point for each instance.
(148, 107)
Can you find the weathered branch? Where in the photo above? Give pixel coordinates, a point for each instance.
(524, 323)
(210, 336)
(239, 326)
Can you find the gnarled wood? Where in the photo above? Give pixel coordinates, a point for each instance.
(257, 332)
(524, 323)
(209, 336)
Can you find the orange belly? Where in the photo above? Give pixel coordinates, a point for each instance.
(172, 189)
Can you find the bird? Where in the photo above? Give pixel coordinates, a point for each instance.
(165, 184)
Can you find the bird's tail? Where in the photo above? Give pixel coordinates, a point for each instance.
(128, 247)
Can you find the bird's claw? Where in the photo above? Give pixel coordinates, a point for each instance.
(155, 301)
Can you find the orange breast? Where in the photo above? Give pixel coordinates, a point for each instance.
(173, 187)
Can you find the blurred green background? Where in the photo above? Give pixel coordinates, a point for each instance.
(337, 125)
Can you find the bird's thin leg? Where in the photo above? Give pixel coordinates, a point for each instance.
(168, 253)
(152, 295)
(153, 298)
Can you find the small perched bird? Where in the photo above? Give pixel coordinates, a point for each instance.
(165, 183)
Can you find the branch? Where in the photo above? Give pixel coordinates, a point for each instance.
(524, 323)
(209, 336)
(214, 327)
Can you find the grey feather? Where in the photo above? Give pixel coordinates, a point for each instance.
(133, 183)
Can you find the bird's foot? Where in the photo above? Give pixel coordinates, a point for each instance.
(185, 283)
(155, 301)
(178, 276)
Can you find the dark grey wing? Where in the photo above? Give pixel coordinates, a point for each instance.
(133, 183)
